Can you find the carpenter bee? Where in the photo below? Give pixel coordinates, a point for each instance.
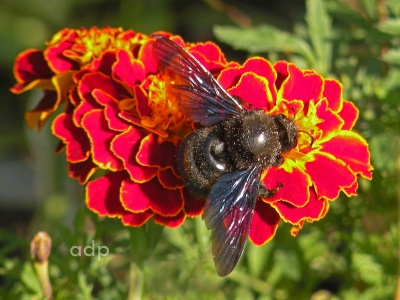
(222, 161)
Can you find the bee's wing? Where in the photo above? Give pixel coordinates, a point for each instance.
(201, 97)
(228, 213)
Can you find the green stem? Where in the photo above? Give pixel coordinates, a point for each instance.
(398, 224)
(251, 282)
(43, 273)
(136, 282)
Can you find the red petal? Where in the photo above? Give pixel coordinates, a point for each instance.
(75, 138)
(351, 190)
(126, 146)
(153, 153)
(57, 60)
(299, 85)
(103, 194)
(142, 100)
(193, 205)
(95, 81)
(111, 110)
(295, 188)
(29, 66)
(136, 219)
(331, 122)
(104, 64)
(127, 69)
(314, 210)
(82, 170)
(349, 114)
(87, 102)
(254, 90)
(258, 66)
(169, 180)
(209, 55)
(351, 148)
(39, 115)
(265, 223)
(296, 228)
(329, 176)
(151, 195)
(146, 56)
(333, 93)
(101, 137)
(281, 68)
(173, 222)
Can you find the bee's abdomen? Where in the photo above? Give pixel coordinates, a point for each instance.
(202, 159)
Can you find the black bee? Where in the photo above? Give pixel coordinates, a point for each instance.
(222, 161)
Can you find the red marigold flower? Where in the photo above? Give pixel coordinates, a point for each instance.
(329, 156)
(117, 118)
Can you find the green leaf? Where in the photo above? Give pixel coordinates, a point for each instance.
(84, 287)
(345, 14)
(370, 7)
(390, 26)
(392, 56)
(243, 293)
(202, 234)
(384, 149)
(289, 262)
(30, 279)
(320, 32)
(143, 240)
(262, 39)
(393, 7)
(257, 258)
(368, 269)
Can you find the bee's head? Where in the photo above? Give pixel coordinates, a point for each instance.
(288, 132)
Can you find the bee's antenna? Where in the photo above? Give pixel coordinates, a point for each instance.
(294, 112)
(294, 118)
(311, 137)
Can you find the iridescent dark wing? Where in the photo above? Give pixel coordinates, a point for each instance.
(200, 96)
(228, 212)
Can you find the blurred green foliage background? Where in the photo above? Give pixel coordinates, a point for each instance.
(351, 254)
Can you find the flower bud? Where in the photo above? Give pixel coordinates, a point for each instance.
(40, 247)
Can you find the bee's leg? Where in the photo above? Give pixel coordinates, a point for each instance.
(266, 193)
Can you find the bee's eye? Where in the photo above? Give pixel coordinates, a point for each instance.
(287, 131)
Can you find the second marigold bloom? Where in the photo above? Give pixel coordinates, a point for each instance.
(329, 156)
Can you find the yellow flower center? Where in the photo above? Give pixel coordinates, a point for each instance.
(166, 116)
(308, 131)
(92, 43)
